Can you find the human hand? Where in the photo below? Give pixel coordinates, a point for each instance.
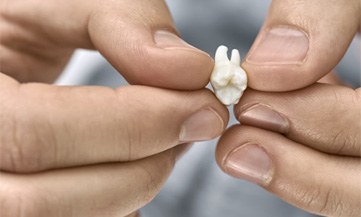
(316, 163)
(137, 37)
(95, 151)
(300, 42)
(303, 145)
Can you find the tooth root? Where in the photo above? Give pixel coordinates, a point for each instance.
(236, 57)
(221, 54)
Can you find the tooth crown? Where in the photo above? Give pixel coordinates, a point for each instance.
(228, 79)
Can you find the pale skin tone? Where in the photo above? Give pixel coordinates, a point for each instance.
(95, 151)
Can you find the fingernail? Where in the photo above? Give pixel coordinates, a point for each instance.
(168, 40)
(250, 162)
(204, 124)
(280, 45)
(264, 117)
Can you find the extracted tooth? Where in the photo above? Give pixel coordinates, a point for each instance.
(228, 79)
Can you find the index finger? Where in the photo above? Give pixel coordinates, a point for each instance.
(137, 37)
(45, 127)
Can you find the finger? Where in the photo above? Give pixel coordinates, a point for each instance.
(322, 116)
(113, 190)
(317, 182)
(300, 42)
(137, 37)
(331, 78)
(34, 67)
(149, 51)
(135, 214)
(47, 127)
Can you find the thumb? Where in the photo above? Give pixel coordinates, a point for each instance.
(300, 42)
(139, 39)
(319, 183)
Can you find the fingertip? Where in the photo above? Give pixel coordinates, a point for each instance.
(210, 119)
(140, 40)
(182, 66)
(297, 174)
(157, 58)
(173, 67)
(281, 59)
(280, 78)
(295, 48)
(225, 145)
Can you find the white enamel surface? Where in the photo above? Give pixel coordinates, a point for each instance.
(228, 79)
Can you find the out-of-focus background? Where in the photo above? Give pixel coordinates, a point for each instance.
(197, 187)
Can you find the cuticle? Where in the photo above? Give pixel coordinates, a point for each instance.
(222, 122)
(270, 174)
(250, 106)
(247, 107)
(266, 30)
(224, 160)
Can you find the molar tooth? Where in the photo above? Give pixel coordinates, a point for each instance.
(228, 79)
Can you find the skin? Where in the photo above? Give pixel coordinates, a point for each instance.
(316, 161)
(93, 151)
(53, 138)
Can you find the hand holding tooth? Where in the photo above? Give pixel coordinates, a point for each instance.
(79, 143)
(228, 79)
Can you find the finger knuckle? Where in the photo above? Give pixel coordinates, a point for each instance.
(322, 200)
(309, 198)
(151, 187)
(21, 146)
(22, 201)
(345, 139)
(152, 191)
(155, 176)
(331, 204)
(343, 142)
